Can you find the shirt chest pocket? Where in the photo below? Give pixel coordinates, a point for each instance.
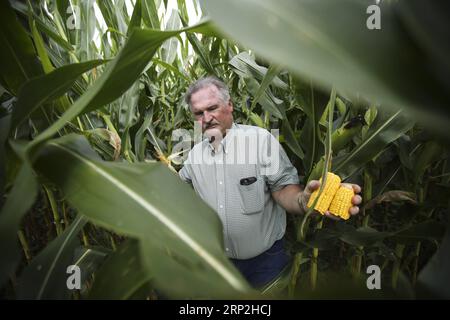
(252, 196)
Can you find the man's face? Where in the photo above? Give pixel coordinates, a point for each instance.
(211, 112)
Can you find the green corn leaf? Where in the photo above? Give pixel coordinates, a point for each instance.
(137, 200)
(170, 47)
(431, 152)
(89, 259)
(170, 67)
(435, 273)
(343, 136)
(39, 44)
(386, 128)
(4, 130)
(118, 76)
(150, 15)
(267, 100)
(48, 87)
(313, 104)
(42, 26)
(46, 277)
(200, 50)
(121, 274)
(19, 201)
(339, 51)
(140, 141)
(18, 60)
(136, 17)
(290, 138)
(271, 73)
(245, 66)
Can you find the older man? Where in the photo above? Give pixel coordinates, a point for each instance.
(243, 173)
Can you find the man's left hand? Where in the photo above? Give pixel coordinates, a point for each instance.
(315, 184)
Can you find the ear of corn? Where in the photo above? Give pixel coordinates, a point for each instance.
(335, 198)
(106, 142)
(342, 202)
(332, 184)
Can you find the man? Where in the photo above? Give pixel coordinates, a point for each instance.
(252, 196)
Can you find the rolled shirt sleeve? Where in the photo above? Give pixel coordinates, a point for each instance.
(276, 168)
(184, 173)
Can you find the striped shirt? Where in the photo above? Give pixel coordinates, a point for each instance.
(236, 181)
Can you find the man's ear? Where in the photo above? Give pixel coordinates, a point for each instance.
(230, 104)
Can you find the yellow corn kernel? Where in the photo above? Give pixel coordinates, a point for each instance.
(342, 202)
(331, 186)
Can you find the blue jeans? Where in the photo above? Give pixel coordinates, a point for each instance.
(262, 269)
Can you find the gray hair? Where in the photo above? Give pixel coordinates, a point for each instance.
(206, 82)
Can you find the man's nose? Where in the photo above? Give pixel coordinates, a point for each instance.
(207, 117)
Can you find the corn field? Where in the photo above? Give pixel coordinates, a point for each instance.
(91, 107)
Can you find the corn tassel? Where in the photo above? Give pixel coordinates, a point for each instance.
(331, 186)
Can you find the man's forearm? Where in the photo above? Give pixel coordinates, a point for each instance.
(288, 198)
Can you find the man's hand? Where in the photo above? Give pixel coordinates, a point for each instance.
(315, 184)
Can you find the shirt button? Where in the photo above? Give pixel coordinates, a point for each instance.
(220, 182)
(226, 249)
(221, 206)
